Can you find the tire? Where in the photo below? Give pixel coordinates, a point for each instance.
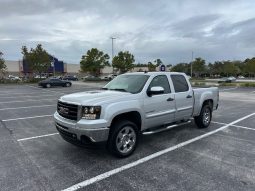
(205, 117)
(123, 138)
(68, 84)
(48, 86)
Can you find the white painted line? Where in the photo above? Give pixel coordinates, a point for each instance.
(29, 100)
(38, 96)
(36, 137)
(222, 90)
(16, 119)
(10, 93)
(11, 108)
(44, 89)
(243, 127)
(150, 157)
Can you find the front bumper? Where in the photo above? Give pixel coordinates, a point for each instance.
(83, 131)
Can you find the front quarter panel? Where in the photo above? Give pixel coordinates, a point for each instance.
(114, 109)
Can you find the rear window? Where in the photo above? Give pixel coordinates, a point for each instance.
(180, 83)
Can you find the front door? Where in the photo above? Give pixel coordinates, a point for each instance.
(159, 109)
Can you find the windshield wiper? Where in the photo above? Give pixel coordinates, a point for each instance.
(119, 89)
(104, 88)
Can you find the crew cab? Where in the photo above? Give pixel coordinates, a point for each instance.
(133, 104)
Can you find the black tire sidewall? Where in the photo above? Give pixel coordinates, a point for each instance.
(199, 119)
(115, 129)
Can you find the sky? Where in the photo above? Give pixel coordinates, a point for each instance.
(167, 29)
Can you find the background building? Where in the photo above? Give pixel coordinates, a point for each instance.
(20, 68)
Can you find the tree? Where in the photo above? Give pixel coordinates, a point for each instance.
(38, 59)
(198, 66)
(2, 64)
(94, 61)
(230, 68)
(158, 62)
(151, 67)
(181, 67)
(124, 61)
(250, 66)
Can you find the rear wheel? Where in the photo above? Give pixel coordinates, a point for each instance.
(123, 138)
(48, 85)
(205, 117)
(68, 84)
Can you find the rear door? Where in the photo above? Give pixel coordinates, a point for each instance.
(159, 109)
(183, 97)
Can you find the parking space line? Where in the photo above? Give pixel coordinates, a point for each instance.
(44, 89)
(40, 136)
(150, 157)
(222, 90)
(29, 100)
(11, 93)
(239, 126)
(46, 95)
(35, 106)
(16, 119)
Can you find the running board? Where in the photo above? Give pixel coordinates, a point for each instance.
(165, 128)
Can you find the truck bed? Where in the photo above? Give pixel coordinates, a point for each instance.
(202, 94)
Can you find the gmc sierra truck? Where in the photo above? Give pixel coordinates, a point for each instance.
(133, 104)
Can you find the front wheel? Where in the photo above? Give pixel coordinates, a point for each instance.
(123, 138)
(205, 117)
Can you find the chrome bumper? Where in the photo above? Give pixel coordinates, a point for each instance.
(94, 130)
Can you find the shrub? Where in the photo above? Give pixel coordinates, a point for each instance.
(248, 84)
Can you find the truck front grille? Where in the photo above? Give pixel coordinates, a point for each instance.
(67, 110)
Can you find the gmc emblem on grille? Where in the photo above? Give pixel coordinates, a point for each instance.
(63, 110)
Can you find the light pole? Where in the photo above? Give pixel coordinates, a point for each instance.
(191, 64)
(113, 38)
(53, 65)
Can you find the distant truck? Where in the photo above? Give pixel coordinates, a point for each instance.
(132, 104)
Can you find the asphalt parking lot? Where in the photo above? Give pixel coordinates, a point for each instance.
(34, 157)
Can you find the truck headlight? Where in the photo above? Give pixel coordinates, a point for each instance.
(91, 112)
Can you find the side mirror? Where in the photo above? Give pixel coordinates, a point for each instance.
(155, 91)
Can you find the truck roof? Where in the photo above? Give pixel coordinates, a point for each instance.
(154, 73)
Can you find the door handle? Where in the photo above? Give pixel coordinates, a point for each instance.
(170, 99)
(189, 96)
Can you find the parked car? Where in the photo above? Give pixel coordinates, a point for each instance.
(131, 104)
(109, 77)
(57, 77)
(227, 80)
(40, 77)
(54, 82)
(70, 78)
(92, 78)
(232, 78)
(241, 77)
(14, 78)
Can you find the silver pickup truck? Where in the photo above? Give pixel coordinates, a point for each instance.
(130, 105)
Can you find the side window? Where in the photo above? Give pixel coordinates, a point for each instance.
(180, 83)
(161, 81)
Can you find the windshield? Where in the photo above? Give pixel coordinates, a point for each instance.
(128, 83)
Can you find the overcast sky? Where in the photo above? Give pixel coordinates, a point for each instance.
(150, 29)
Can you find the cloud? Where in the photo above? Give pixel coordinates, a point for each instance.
(214, 30)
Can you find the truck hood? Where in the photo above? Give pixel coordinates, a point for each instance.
(96, 97)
